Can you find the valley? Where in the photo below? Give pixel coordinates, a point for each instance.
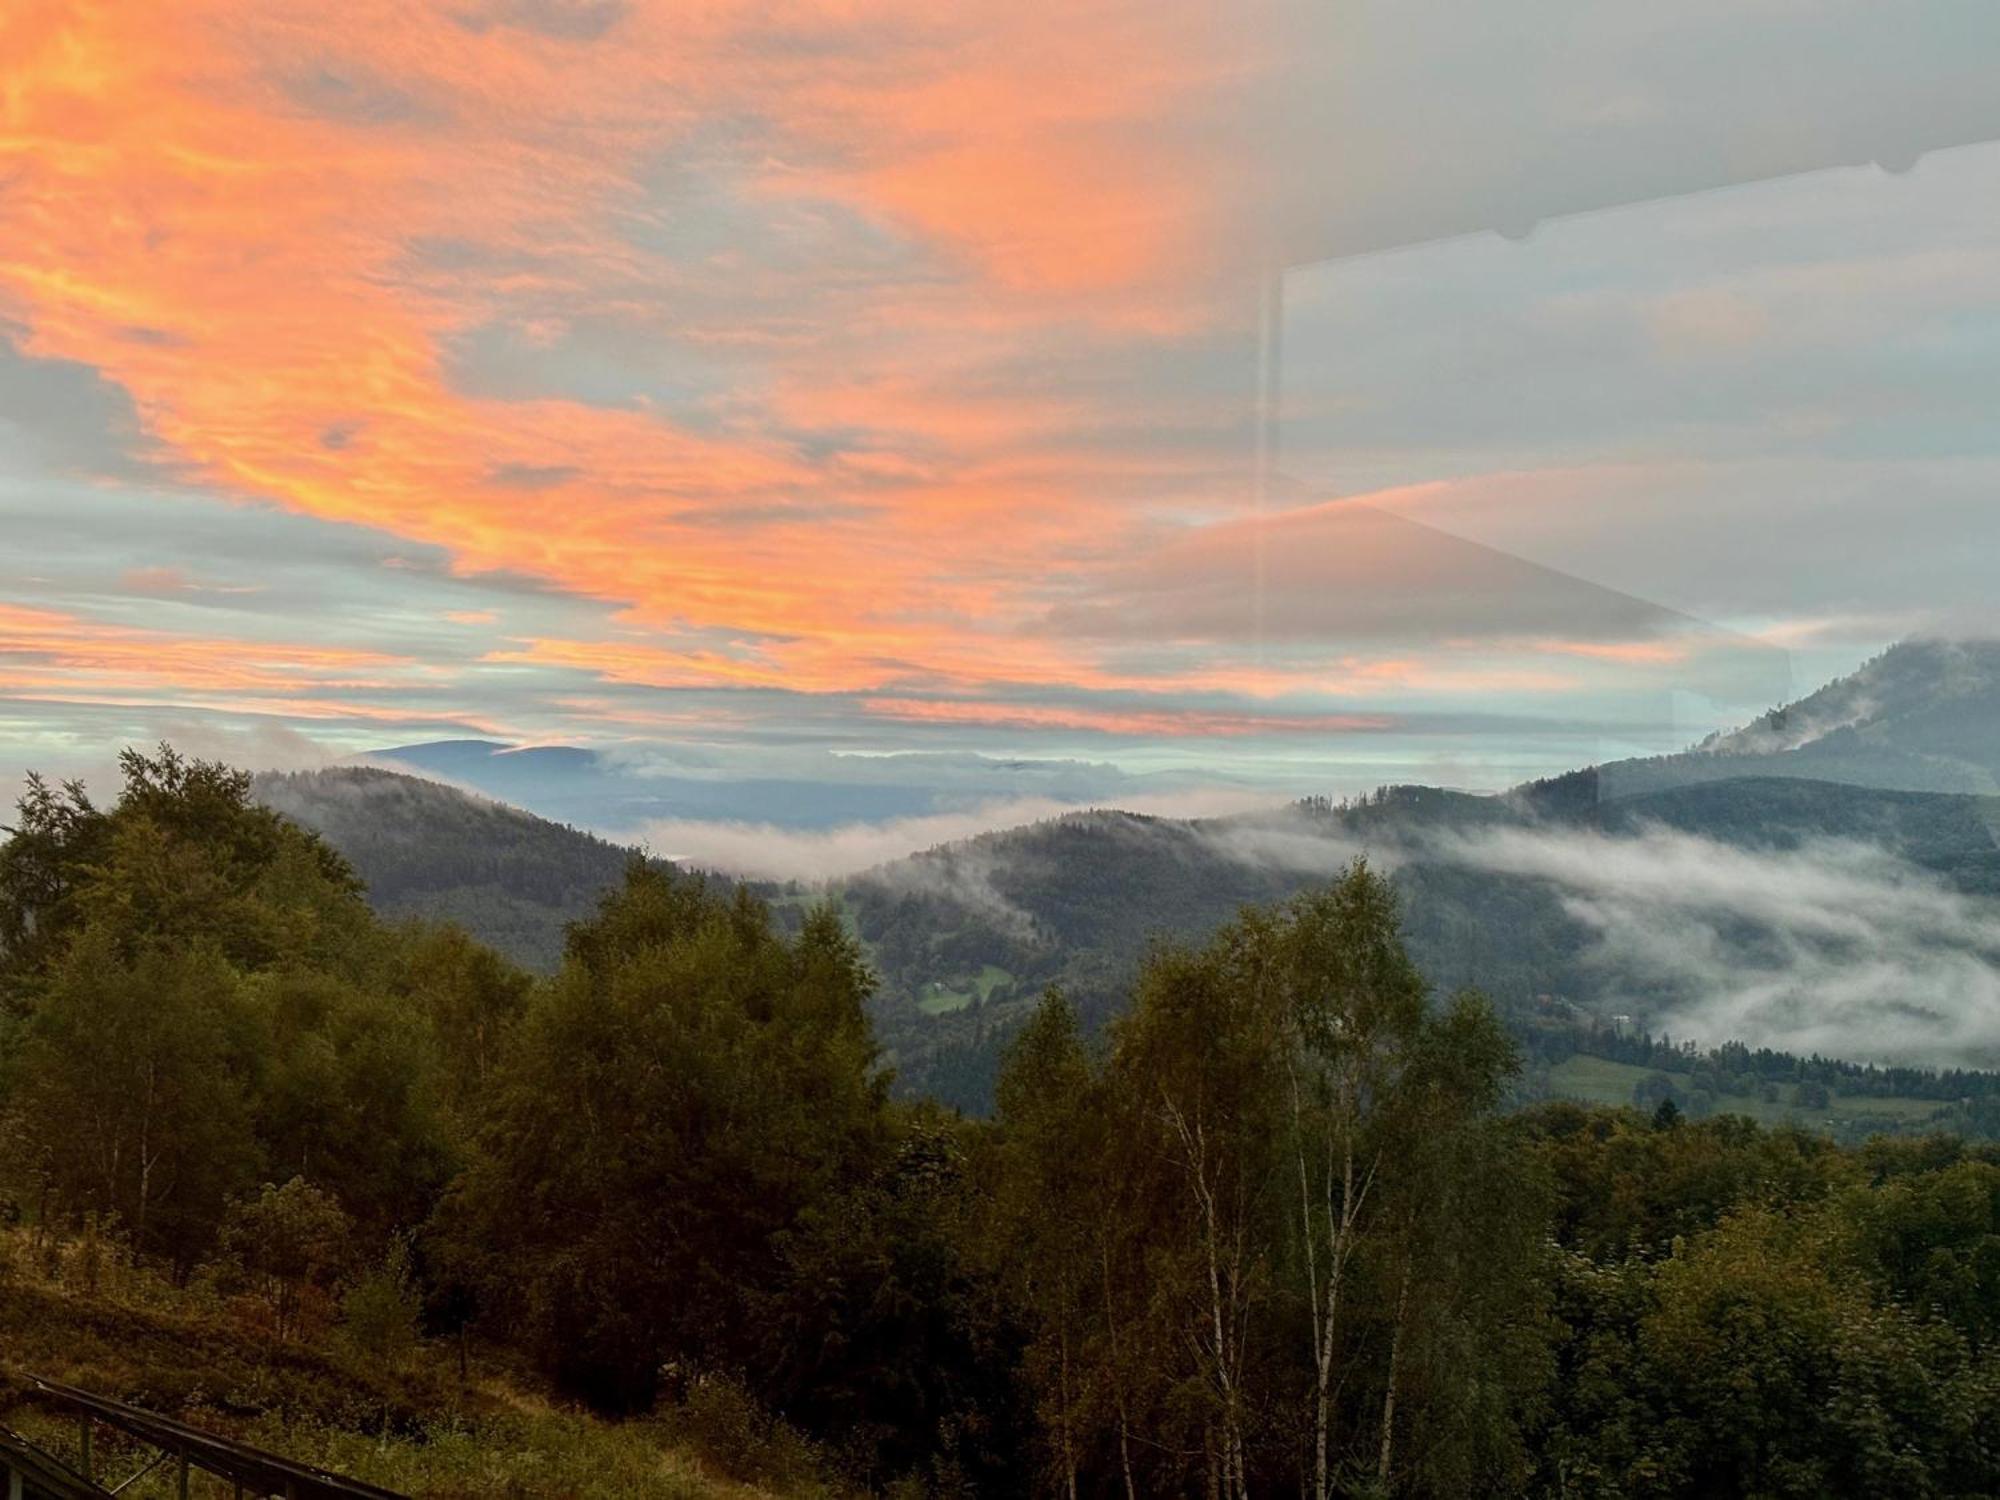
(1524, 895)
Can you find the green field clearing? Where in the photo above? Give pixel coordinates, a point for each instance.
(942, 998)
(1598, 1080)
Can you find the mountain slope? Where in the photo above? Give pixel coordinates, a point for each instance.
(1923, 716)
(511, 879)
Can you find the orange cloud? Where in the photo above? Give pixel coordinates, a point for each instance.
(1631, 653)
(876, 289)
(50, 656)
(243, 184)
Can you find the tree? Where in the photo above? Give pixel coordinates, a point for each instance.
(1460, 1264)
(472, 997)
(1197, 1070)
(886, 1333)
(204, 996)
(672, 1104)
(1050, 1113)
(1311, 1239)
(187, 858)
(1744, 1365)
(57, 837)
(1355, 1004)
(349, 1095)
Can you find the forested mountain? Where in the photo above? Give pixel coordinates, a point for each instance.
(427, 850)
(1882, 775)
(1509, 893)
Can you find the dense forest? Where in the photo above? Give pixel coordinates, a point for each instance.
(1269, 1229)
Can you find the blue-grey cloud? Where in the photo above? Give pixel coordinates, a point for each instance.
(354, 94)
(61, 417)
(566, 20)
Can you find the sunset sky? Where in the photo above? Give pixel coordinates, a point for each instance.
(762, 382)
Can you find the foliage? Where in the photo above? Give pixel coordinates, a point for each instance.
(203, 999)
(131, 1094)
(1246, 1236)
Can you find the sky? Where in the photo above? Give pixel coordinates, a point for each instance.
(1171, 398)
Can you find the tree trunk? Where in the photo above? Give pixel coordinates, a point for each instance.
(1309, 1234)
(1194, 1144)
(1343, 1229)
(1117, 1374)
(1382, 1459)
(1068, 1421)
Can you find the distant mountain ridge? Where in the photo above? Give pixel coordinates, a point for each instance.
(1924, 716)
(631, 788)
(1901, 756)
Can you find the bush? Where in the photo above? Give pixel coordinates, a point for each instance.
(726, 1426)
(292, 1241)
(380, 1311)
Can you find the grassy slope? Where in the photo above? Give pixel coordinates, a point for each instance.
(958, 992)
(412, 1428)
(1598, 1080)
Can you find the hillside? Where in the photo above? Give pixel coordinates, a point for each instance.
(355, 1194)
(511, 879)
(83, 1313)
(1923, 716)
(1496, 894)
(1885, 774)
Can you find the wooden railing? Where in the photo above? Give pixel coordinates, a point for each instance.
(32, 1473)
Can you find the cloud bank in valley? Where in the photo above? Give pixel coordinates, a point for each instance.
(1835, 947)
(768, 851)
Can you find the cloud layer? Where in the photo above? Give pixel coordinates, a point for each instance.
(768, 851)
(1834, 947)
(889, 374)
